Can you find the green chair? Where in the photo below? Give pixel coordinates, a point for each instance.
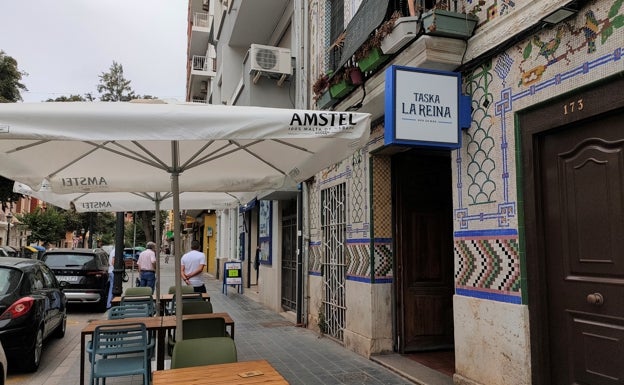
(120, 350)
(198, 328)
(137, 291)
(203, 351)
(185, 289)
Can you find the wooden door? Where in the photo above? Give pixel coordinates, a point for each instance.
(581, 173)
(423, 250)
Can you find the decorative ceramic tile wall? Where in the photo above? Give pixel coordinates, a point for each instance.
(577, 52)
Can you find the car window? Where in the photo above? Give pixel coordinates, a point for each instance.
(59, 260)
(48, 276)
(9, 280)
(36, 280)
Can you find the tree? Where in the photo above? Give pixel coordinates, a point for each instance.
(47, 225)
(70, 98)
(113, 85)
(10, 80)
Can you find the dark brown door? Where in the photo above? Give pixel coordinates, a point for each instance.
(424, 250)
(289, 254)
(581, 173)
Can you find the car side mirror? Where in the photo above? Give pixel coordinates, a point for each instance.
(63, 284)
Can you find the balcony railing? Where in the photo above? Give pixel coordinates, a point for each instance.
(201, 20)
(199, 100)
(203, 63)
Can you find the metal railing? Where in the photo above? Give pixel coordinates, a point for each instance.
(201, 19)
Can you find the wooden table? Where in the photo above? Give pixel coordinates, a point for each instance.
(233, 373)
(160, 324)
(151, 323)
(169, 321)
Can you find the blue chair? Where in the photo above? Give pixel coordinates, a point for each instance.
(203, 351)
(140, 299)
(120, 350)
(129, 310)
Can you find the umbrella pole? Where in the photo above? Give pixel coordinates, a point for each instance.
(157, 240)
(175, 189)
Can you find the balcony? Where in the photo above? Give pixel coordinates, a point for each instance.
(203, 66)
(398, 40)
(200, 33)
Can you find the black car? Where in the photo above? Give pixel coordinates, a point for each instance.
(84, 270)
(32, 308)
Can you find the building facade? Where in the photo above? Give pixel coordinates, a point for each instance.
(502, 250)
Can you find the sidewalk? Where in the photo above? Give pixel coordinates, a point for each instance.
(299, 355)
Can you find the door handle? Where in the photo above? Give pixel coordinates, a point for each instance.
(595, 299)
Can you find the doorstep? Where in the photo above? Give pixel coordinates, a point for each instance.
(415, 372)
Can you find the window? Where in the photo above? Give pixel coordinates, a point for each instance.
(336, 29)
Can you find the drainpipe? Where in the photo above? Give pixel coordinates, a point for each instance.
(299, 256)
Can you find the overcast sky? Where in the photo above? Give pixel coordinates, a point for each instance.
(64, 45)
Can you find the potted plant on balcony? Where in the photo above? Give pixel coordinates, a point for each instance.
(370, 56)
(440, 21)
(344, 81)
(322, 96)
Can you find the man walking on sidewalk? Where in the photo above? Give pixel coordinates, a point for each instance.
(192, 267)
(147, 266)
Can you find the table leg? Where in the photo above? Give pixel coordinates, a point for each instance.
(82, 357)
(160, 349)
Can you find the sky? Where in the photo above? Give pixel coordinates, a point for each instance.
(64, 45)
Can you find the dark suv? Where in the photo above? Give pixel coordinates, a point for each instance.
(84, 270)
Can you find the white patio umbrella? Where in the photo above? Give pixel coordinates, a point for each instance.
(128, 201)
(161, 146)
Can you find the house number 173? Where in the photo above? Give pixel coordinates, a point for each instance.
(573, 107)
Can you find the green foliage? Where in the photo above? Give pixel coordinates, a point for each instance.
(70, 98)
(10, 80)
(45, 225)
(113, 85)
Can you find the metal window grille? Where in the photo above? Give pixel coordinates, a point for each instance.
(333, 226)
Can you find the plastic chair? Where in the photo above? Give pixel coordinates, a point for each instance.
(198, 328)
(129, 310)
(186, 298)
(120, 350)
(185, 289)
(203, 351)
(137, 300)
(137, 291)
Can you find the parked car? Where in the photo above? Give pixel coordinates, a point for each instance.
(32, 308)
(10, 251)
(131, 256)
(3, 253)
(3, 364)
(84, 270)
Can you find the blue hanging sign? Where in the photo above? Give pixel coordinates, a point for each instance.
(424, 108)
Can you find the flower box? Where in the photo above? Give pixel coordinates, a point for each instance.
(325, 100)
(439, 22)
(374, 59)
(340, 89)
(405, 30)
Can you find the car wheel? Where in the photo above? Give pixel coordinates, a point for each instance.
(59, 332)
(33, 356)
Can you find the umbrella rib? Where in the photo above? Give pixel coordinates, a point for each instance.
(245, 148)
(189, 161)
(293, 146)
(26, 147)
(137, 157)
(80, 157)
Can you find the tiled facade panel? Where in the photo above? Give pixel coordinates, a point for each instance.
(579, 51)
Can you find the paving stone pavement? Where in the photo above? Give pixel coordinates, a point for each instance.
(300, 355)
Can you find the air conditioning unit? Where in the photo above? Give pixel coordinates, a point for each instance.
(270, 60)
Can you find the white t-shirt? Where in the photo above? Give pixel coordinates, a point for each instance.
(111, 262)
(190, 262)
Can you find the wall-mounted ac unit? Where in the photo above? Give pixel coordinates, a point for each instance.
(270, 60)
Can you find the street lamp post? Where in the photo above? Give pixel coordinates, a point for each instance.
(9, 218)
